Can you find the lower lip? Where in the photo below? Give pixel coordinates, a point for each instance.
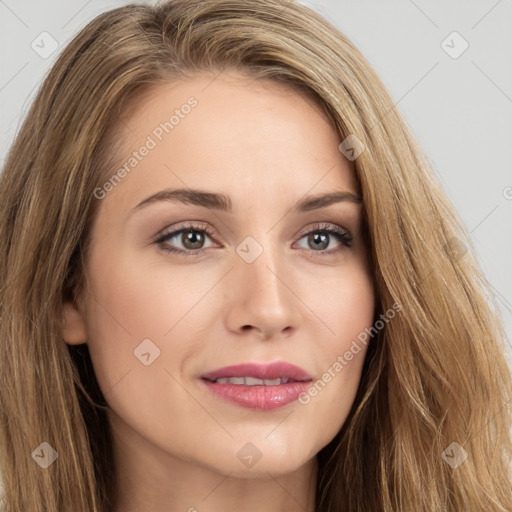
(262, 397)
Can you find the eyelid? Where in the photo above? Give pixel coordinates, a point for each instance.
(323, 226)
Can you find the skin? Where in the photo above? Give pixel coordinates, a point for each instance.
(266, 146)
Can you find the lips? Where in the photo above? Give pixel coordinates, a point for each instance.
(258, 386)
(272, 371)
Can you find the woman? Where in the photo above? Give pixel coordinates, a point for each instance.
(173, 336)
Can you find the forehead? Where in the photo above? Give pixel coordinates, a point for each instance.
(229, 133)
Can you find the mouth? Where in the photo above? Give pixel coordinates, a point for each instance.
(258, 386)
(252, 381)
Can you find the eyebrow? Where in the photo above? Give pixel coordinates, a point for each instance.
(222, 202)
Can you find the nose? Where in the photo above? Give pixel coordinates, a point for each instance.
(261, 298)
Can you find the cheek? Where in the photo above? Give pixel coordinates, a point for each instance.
(134, 315)
(124, 308)
(346, 307)
(138, 299)
(356, 312)
(139, 334)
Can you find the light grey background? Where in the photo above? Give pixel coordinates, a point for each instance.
(460, 109)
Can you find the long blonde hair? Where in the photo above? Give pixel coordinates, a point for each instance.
(433, 376)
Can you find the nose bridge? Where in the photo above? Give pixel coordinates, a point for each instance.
(261, 262)
(263, 298)
(261, 276)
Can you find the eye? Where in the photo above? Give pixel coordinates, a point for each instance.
(192, 238)
(321, 236)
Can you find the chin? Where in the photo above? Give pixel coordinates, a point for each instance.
(270, 465)
(259, 458)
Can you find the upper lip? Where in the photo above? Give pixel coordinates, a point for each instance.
(263, 371)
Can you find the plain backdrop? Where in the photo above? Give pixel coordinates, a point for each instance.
(447, 64)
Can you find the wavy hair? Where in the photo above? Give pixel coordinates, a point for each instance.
(435, 375)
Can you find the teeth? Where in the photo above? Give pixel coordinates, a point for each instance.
(275, 382)
(252, 381)
(232, 380)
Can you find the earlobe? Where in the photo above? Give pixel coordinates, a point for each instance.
(73, 324)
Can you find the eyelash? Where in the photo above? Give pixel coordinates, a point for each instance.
(341, 235)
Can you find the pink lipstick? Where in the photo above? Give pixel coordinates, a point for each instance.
(258, 386)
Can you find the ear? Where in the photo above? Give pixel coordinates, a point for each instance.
(73, 324)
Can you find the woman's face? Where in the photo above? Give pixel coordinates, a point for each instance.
(258, 279)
